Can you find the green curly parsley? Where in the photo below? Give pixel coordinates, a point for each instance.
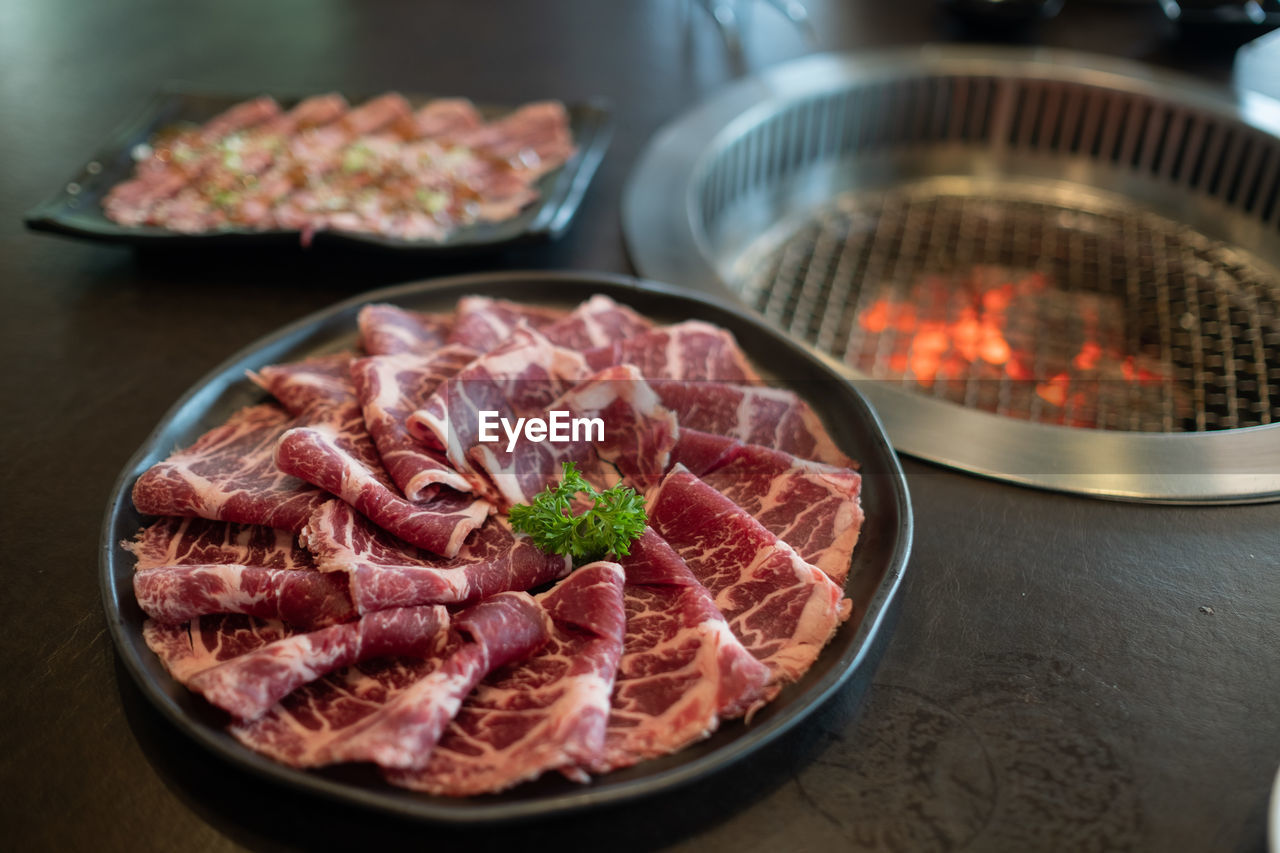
(615, 518)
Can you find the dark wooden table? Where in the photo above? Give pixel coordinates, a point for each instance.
(1065, 674)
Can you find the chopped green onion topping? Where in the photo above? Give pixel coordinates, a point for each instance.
(356, 158)
(432, 201)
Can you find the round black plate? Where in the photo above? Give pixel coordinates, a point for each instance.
(877, 569)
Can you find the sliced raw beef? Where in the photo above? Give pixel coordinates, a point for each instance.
(755, 414)
(209, 200)
(639, 432)
(175, 163)
(316, 454)
(301, 729)
(332, 449)
(308, 114)
(383, 112)
(189, 541)
(181, 152)
(174, 594)
(700, 452)
(229, 474)
(517, 379)
(390, 389)
(445, 118)
(781, 608)
(206, 641)
(419, 189)
(321, 392)
(316, 158)
(682, 669)
(378, 168)
(519, 474)
(482, 323)
(347, 651)
(402, 732)
(339, 537)
(388, 330)
(528, 371)
(544, 713)
(245, 114)
(814, 508)
(385, 572)
(637, 435)
(311, 155)
(532, 140)
(689, 350)
(595, 323)
(375, 587)
(247, 686)
(503, 191)
(324, 380)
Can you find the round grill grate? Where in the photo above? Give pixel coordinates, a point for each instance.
(1110, 319)
(1051, 268)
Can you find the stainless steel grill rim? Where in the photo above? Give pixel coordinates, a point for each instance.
(1093, 137)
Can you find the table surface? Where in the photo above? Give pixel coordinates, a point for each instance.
(1063, 674)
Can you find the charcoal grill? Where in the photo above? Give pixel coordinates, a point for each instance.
(1051, 268)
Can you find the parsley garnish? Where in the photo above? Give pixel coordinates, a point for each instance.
(615, 518)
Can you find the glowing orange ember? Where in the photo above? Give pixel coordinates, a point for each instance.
(991, 325)
(936, 346)
(1134, 372)
(1016, 369)
(884, 314)
(1087, 358)
(1054, 391)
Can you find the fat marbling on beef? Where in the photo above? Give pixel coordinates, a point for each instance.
(298, 386)
(482, 323)
(639, 432)
(814, 508)
(188, 649)
(755, 414)
(402, 733)
(682, 669)
(247, 686)
(175, 541)
(783, 609)
(229, 474)
(390, 330)
(595, 323)
(385, 572)
(691, 350)
(518, 378)
(174, 594)
(330, 447)
(546, 712)
(390, 389)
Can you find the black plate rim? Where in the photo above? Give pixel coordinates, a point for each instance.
(444, 810)
(561, 192)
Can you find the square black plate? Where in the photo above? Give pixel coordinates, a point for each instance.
(76, 209)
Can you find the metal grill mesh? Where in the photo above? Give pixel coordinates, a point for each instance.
(1114, 320)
